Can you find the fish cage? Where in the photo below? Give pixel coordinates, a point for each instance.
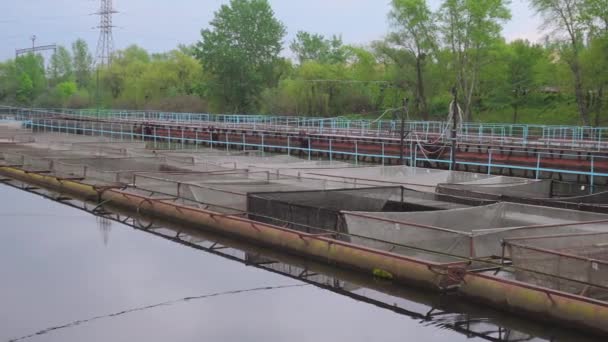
(43, 159)
(257, 160)
(229, 189)
(543, 193)
(411, 177)
(320, 210)
(470, 232)
(574, 263)
(120, 170)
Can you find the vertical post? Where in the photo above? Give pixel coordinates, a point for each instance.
(182, 137)
(592, 178)
(331, 153)
(356, 152)
(154, 137)
(412, 152)
(382, 153)
(455, 115)
(288, 145)
(537, 165)
(402, 132)
(309, 148)
(490, 162)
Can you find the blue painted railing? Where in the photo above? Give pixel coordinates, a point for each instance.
(125, 132)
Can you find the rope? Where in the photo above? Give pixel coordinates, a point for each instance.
(447, 129)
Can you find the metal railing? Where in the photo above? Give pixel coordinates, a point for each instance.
(592, 138)
(416, 153)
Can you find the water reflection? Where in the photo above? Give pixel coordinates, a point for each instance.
(104, 225)
(447, 316)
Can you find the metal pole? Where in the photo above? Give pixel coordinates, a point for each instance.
(454, 124)
(402, 133)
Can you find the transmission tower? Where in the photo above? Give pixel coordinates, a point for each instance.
(105, 44)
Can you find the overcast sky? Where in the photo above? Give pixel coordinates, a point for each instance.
(159, 25)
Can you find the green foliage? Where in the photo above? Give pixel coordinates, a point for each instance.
(8, 82)
(315, 47)
(471, 30)
(414, 31)
(521, 75)
(237, 67)
(25, 89)
(240, 52)
(64, 90)
(82, 63)
(138, 80)
(30, 78)
(61, 68)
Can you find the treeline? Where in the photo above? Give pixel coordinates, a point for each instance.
(239, 66)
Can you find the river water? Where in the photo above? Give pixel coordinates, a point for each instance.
(67, 276)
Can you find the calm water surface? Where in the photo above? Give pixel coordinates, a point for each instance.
(61, 267)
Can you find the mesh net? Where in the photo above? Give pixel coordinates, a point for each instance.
(501, 186)
(416, 178)
(472, 232)
(579, 257)
(308, 210)
(383, 229)
(228, 189)
(542, 193)
(320, 208)
(120, 170)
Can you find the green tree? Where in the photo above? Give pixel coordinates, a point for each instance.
(595, 64)
(60, 69)
(595, 13)
(8, 81)
(31, 77)
(315, 47)
(522, 61)
(414, 30)
(65, 90)
(568, 19)
(471, 28)
(240, 52)
(83, 63)
(25, 89)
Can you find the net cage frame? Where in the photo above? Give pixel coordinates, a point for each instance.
(368, 242)
(93, 168)
(231, 210)
(473, 244)
(310, 223)
(44, 159)
(594, 202)
(331, 202)
(575, 263)
(220, 185)
(409, 176)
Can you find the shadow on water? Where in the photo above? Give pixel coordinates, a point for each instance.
(444, 311)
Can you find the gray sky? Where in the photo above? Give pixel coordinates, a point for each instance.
(159, 25)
